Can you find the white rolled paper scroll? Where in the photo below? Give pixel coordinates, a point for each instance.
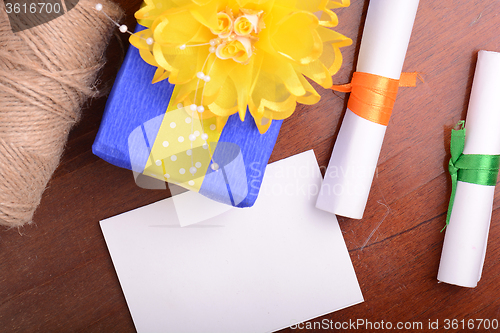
(350, 172)
(466, 235)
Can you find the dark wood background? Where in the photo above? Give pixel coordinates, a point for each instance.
(56, 275)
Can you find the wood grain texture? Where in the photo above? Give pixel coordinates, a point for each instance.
(57, 276)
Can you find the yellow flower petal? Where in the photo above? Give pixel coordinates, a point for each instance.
(262, 123)
(306, 45)
(173, 58)
(242, 78)
(226, 102)
(139, 39)
(180, 28)
(317, 72)
(206, 15)
(311, 96)
(160, 75)
(218, 70)
(181, 3)
(333, 41)
(148, 57)
(287, 74)
(333, 4)
(268, 91)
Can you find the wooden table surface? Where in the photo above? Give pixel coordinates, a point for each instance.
(56, 275)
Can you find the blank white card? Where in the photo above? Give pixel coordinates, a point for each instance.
(257, 269)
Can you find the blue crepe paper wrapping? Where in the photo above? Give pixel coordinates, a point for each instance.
(134, 100)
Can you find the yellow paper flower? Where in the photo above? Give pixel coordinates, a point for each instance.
(239, 49)
(243, 26)
(227, 55)
(224, 25)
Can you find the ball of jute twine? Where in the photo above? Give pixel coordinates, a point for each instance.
(46, 74)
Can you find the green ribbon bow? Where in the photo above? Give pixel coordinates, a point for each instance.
(472, 168)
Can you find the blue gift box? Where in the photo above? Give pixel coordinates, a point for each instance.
(135, 105)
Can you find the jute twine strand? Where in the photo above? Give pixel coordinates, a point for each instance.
(46, 74)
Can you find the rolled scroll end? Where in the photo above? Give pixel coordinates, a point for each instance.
(466, 236)
(354, 159)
